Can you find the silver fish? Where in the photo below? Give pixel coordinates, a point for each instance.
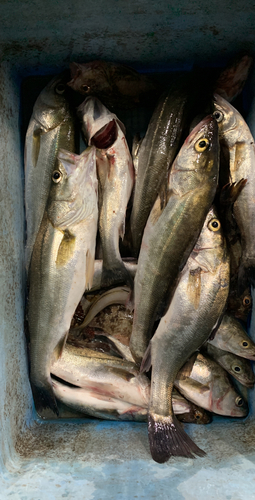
(195, 309)
(170, 235)
(236, 366)
(51, 127)
(231, 337)
(62, 264)
(116, 177)
(205, 383)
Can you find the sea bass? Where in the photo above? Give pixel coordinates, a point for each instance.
(206, 384)
(156, 154)
(105, 387)
(62, 264)
(51, 127)
(197, 304)
(170, 236)
(236, 366)
(236, 137)
(232, 337)
(116, 177)
(233, 78)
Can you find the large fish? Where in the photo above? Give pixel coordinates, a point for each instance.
(236, 366)
(197, 304)
(170, 236)
(237, 139)
(206, 384)
(116, 177)
(51, 127)
(232, 337)
(106, 387)
(156, 154)
(62, 264)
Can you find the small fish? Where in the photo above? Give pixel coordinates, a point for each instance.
(197, 304)
(205, 383)
(51, 128)
(62, 264)
(114, 84)
(236, 366)
(231, 337)
(116, 177)
(172, 233)
(233, 78)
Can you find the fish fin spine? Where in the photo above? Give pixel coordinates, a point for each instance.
(167, 438)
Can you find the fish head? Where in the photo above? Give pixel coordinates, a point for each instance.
(89, 78)
(240, 368)
(224, 398)
(51, 106)
(196, 415)
(99, 124)
(210, 249)
(73, 193)
(234, 338)
(198, 159)
(229, 120)
(240, 304)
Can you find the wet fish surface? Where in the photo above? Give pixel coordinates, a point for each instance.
(170, 235)
(116, 177)
(62, 264)
(195, 309)
(236, 366)
(51, 128)
(232, 337)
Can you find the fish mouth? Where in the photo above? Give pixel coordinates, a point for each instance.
(106, 136)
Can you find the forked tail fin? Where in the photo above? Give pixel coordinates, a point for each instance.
(167, 438)
(44, 398)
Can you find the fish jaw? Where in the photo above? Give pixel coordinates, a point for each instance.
(51, 107)
(95, 117)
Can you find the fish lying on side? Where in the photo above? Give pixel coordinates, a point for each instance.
(170, 235)
(51, 127)
(205, 383)
(105, 387)
(197, 304)
(231, 337)
(114, 84)
(236, 138)
(116, 177)
(62, 264)
(236, 366)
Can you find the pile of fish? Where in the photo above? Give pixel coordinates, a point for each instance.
(139, 264)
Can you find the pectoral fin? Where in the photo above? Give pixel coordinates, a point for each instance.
(89, 269)
(66, 249)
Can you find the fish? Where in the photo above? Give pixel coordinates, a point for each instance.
(239, 305)
(205, 383)
(116, 178)
(51, 127)
(239, 368)
(62, 265)
(172, 233)
(130, 264)
(115, 320)
(232, 79)
(236, 138)
(114, 84)
(232, 337)
(154, 156)
(196, 306)
(117, 295)
(109, 388)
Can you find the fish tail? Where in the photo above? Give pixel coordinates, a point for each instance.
(117, 274)
(167, 438)
(44, 397)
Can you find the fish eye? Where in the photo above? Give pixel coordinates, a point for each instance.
(202, 144)
(245, 343)
(197, 416)
(56, 176)
(247, 301)
(60, 88)
(214, 225)
(218, 115)
(85, 88)
(239, 401)
(237, 369)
